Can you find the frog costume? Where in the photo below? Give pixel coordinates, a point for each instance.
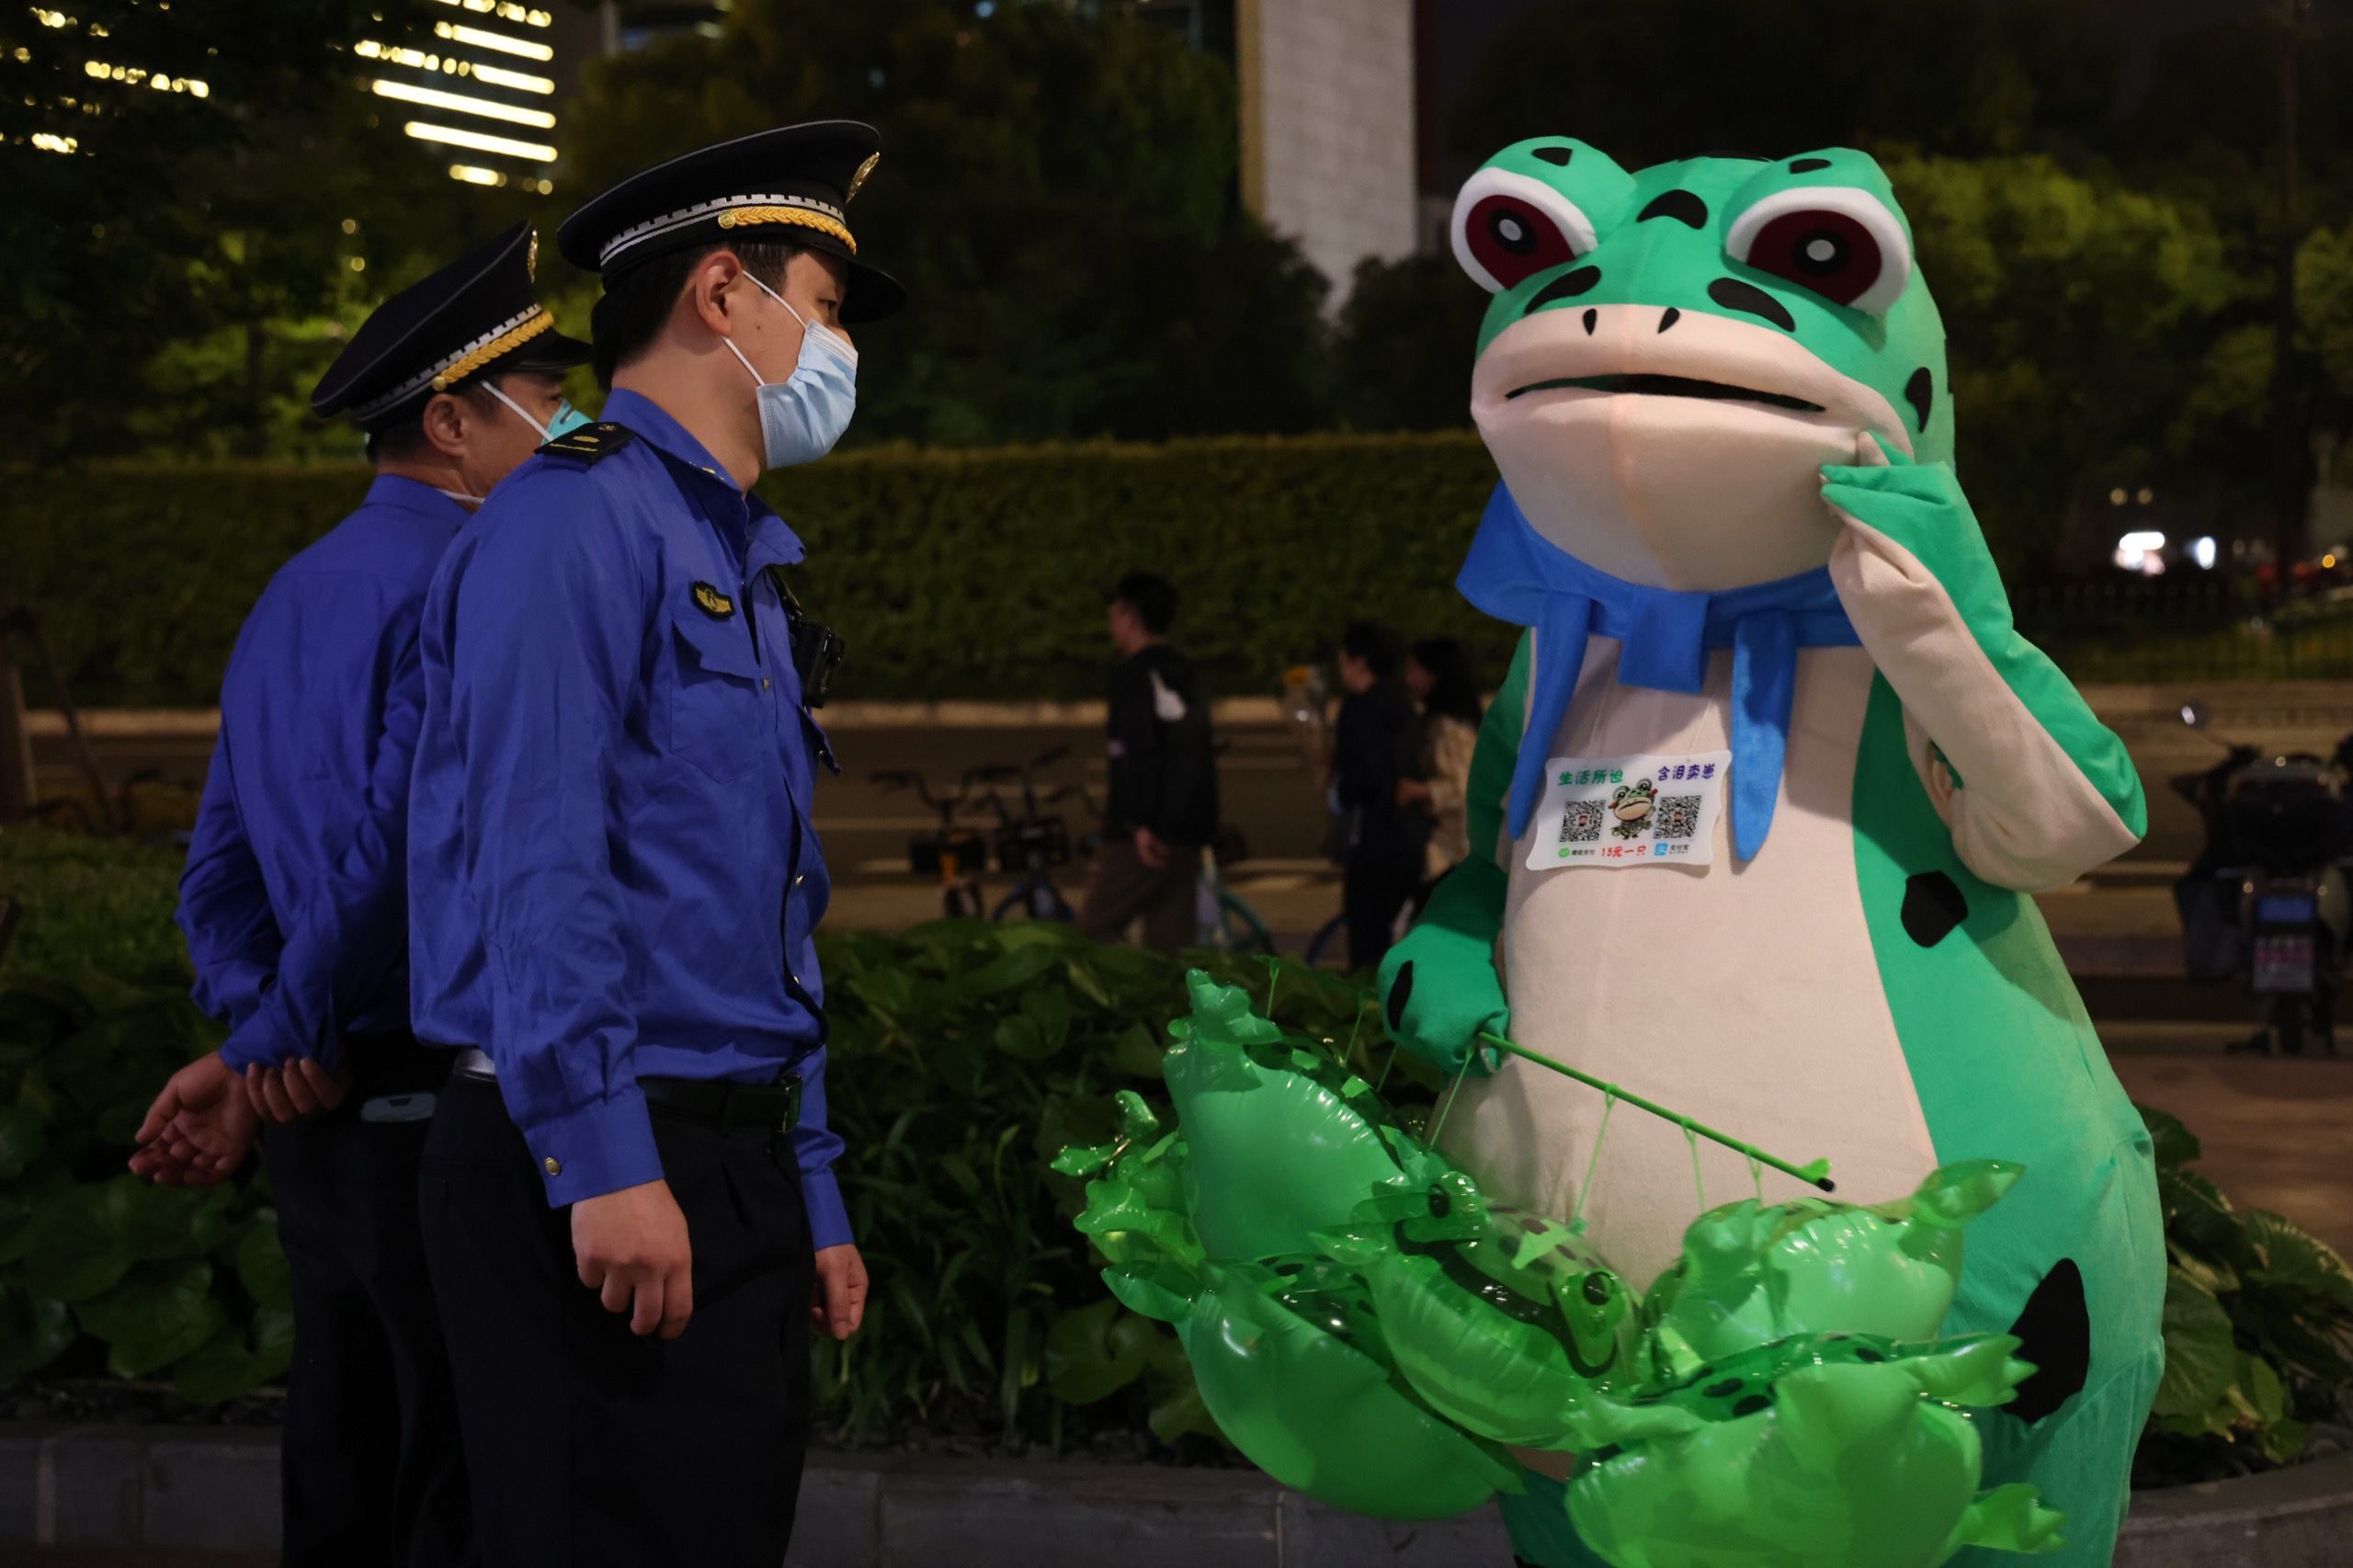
(1716, 393)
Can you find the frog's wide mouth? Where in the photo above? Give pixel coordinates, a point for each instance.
(1640, 385)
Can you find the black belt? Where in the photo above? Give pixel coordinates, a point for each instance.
(772, 1108)
(715, 1102)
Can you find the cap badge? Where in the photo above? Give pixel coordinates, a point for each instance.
(859, 178)
(531, 257)
(716, 604)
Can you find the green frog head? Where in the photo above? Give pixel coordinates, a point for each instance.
(1671, 356)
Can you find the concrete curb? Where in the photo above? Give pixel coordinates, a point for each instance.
(156, 1494)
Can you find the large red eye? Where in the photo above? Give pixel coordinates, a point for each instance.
(1840, 243)
(1508, 227)
(1826, 251)
(1512, 240)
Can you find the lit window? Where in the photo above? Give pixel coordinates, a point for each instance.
(452, 136)
(519, 80)
(434, 97)
(458, 32)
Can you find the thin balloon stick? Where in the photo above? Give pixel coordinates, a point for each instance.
(1699, 1182)
(1593, 1163)
(1816, 1175)
(1452, 1089)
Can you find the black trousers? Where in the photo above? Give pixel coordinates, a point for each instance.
(1372, 891)
(585, 1445)
(371, 1469)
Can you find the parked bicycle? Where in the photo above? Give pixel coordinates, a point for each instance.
(1224, 919)
(952, 852)
(1032, 843)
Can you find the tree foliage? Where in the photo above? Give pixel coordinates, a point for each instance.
(194, 191)
(1056, 190)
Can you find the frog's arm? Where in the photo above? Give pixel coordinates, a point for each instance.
(1494, 759)
(1439, 986)
(2035, 789)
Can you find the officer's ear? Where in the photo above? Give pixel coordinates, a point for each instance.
(448, 420)
(704, 301)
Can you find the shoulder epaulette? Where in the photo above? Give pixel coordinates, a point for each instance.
(590, 442)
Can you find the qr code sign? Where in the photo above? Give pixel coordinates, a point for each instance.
(1677, 816)
(1581, 821)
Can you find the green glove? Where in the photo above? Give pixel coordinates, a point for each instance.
(1439, 986)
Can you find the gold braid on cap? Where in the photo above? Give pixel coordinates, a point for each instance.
(737, 217)
(474, 359)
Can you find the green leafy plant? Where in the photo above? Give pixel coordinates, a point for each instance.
(2259, 1327)
(99, 1269)
(964, 1056)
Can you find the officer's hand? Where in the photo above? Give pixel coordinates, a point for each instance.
(199, 1131)
(839, 1304)
(632, 1250)
(1151, 849)
(301, 1089)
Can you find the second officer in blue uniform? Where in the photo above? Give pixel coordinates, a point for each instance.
(293, 903)
(629, 1198)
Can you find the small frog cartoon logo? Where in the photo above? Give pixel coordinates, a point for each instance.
(1630, 804)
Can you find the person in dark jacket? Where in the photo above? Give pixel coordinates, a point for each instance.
(1376, 745)
(1162, 803)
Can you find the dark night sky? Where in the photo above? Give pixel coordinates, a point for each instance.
(1464, 27)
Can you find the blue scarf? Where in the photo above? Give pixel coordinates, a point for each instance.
(1514, 573)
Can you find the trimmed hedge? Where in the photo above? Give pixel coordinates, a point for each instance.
(963, 573)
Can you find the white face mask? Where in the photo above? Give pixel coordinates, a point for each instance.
(802, 415)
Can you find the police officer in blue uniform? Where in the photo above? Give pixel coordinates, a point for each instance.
(629, 1199)
(294, 907)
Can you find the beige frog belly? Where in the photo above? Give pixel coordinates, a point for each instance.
(1745, 996)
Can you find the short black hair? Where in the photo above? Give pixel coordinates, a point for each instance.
(1379, 649)
(630, 315)
(1153, 597)
(1453, 690)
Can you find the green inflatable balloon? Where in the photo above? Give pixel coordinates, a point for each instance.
(1284, 1142)
(1838, 1448)
(1368, 1328)
(1752, 1273)
(1503, 1320)
(1321, 1415)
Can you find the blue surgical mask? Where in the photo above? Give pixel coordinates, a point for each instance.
(802, 415)
(566, 416)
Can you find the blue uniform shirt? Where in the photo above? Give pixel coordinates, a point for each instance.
(294, 896)
(613, 871)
